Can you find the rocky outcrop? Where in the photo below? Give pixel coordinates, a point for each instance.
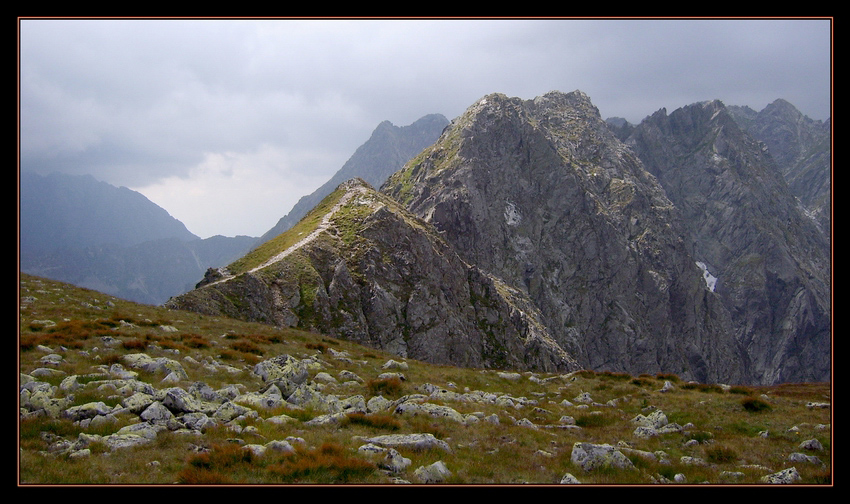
(541, 194)
(372, 273)
(769, 261)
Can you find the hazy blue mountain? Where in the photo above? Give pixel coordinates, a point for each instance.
(386, 151)
(60, 211)
(79, 230)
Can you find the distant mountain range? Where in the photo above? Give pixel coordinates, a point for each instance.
(70, 211)
(525, 233)
(89, 233)
(82, 231)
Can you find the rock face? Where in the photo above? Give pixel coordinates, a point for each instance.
(541, 194)
(769, 258)
(372, 273)
(802, 150)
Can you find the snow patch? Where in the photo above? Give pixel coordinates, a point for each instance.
(710, 280)
(512, 215)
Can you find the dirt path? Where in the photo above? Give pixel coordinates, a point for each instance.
(326, 222)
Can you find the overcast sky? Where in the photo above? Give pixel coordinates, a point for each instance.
(227, 123)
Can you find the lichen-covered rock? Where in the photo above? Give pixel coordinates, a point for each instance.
(434, 473)
(228, 411)
(138, 402)
(428, 409)
(569, 479)
(589, 457)
(417, 442)
(378, 404)
(180, 401)
(162, 365)
(811, 445)
(280, 446)
(394, 461)
(784, 476)
(155, 412)
(797, 457)
(282, 367)
(88, 410)
(656, 419)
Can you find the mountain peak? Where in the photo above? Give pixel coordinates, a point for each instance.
(387, 149)
(542, 194)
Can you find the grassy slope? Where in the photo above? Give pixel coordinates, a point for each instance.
(482, 452)
(285, 240)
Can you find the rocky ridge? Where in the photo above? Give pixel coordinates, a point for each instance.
(370, 272)
(387, 149)
(802, 149)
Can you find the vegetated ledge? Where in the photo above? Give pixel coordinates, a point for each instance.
(134, 394)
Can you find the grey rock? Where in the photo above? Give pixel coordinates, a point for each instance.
(811, 445)
(542, 194)
(156, 412)
(417, 442)
(434, 473)
(569, 479)
(770, 259)
(784, 476)
(180, 401)
(803, 458)
(591, 457)
(88, 410)
(280, 446)
(394, 461)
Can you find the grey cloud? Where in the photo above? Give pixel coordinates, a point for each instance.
(133, 101)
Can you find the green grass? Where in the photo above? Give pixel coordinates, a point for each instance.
(728, 434)
(285, 240)
(755, 405)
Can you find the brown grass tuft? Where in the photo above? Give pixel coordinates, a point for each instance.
(386, 386)
(378, 421)
(326, 464)
(134, 344)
